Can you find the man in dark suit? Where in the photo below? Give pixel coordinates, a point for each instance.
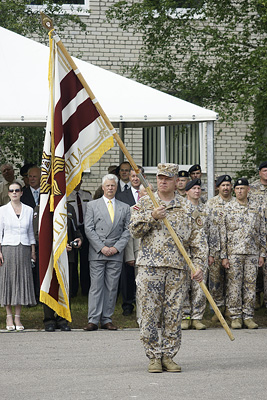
(106, 227)
(30, 197)
(31, 194)
(123, 172)
(79, 199)
(127, 279)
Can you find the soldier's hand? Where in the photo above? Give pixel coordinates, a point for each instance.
(225, 263)
(197, 276)
(159, 212)
(261, 261)
(211, 260)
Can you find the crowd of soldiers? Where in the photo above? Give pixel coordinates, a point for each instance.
(225, 237)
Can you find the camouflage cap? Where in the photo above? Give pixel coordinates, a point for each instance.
(223, 178)
(168, 169)
(241, 182)
(183, 174)
(194, 182)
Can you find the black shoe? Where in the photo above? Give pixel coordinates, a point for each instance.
(50, 328)
(127, 312)
(64, 328)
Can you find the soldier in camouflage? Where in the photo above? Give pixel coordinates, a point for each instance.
(243, 249)
(258, 192)
(183, 178)
(216, 271)
(195, 300)
(162, 270)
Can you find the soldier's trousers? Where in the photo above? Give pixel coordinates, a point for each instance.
(161, 292)
(195, 300)
(217, 281)
(241, 285)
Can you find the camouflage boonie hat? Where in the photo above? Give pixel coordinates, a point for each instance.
(168, 169)
(241, 182)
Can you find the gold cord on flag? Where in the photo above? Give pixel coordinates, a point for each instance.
(111, 210)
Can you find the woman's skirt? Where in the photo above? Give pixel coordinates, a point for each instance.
(16, 280)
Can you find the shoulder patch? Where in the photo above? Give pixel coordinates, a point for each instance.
(136, 207)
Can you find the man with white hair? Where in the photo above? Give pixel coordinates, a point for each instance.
(106, 227)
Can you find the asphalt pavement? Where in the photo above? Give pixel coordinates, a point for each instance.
(103, 364)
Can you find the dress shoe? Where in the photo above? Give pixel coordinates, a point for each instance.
(18, 327)
(90, 327)
(10, 327)
(50, 328)
(64, 328)
(109, 326)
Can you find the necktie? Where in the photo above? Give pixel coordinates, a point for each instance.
(111, 210)
(36, 196)
(80, 209)
(125, 187)
(138, 196)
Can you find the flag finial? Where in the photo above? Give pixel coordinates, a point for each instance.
(47, 22)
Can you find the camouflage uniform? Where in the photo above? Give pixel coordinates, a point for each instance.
(195, 299)
(258, 193)
(243, 241)
(216, 270)
(160, 285)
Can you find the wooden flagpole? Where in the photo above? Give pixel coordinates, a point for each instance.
(48, 24)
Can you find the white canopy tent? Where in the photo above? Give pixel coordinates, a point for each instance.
(24, 93)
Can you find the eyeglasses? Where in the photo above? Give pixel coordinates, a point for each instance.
(14, 190)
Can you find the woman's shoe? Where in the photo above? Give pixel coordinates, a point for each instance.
(10, 327)
(19, 327)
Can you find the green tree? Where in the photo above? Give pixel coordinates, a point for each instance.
(17, 144)
(211, 52)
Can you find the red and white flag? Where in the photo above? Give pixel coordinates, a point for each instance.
(76, 138)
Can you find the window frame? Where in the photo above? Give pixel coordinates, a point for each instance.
(69, 8)
(202, 150)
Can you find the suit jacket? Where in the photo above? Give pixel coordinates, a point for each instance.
(27, 197)
(126, 197)
(101, 232)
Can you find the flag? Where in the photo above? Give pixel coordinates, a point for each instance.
(76, 138)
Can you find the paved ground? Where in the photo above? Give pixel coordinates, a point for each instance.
(111, 365)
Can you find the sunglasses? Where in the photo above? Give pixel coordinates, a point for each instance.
(14, 190)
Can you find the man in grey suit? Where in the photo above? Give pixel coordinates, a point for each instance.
(106, 227)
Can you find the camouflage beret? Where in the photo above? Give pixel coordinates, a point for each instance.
(195, 167)
(194, 182)
(168, 169)
(241, 182)
(263, 165)
(183, 174)
(223, 178)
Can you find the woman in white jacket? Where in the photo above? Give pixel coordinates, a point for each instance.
(17, 248)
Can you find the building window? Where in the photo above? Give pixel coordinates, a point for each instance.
(179, 144)
(72, 6)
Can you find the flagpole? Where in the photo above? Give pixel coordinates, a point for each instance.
(48, 24)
